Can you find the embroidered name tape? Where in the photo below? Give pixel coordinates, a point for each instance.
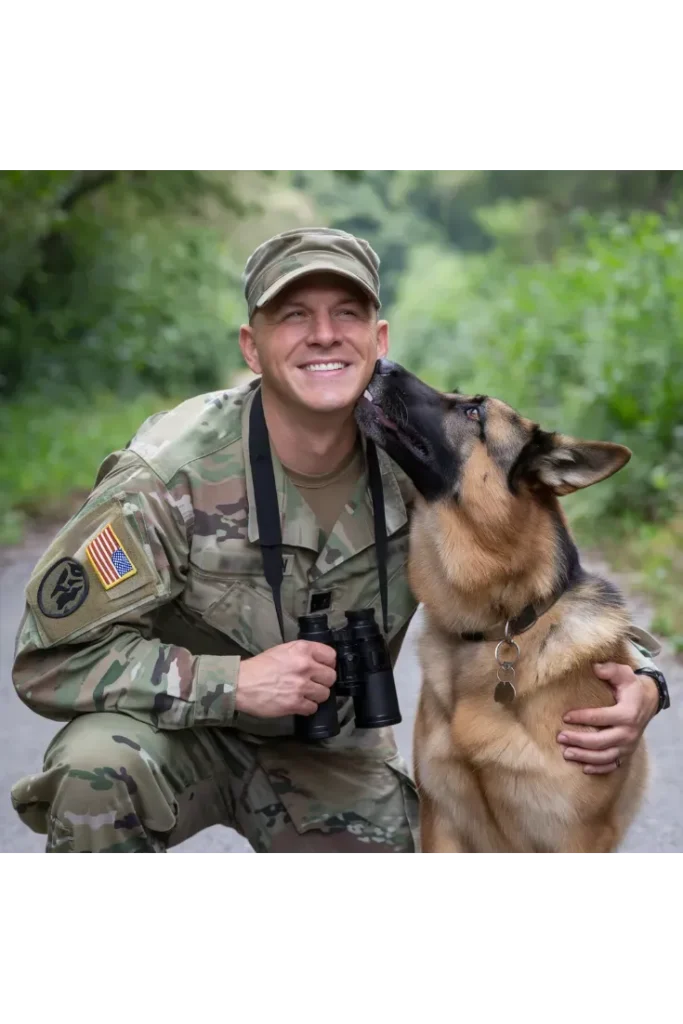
(108, 558)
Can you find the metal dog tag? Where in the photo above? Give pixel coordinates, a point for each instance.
(504, 693)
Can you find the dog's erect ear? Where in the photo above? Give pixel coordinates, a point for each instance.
(567, 465)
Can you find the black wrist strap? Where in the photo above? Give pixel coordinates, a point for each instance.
(660, 683)
(381, 543)
(268, 511)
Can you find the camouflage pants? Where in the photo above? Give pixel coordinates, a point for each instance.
(112, 784)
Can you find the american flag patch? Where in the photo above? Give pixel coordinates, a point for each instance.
(108, 559)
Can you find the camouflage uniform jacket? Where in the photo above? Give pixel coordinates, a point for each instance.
(164, 640)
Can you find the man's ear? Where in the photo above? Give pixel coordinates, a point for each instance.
(248, 348)
(382, 338)
(567, 465)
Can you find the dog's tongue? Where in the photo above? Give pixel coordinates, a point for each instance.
(378, 412)
(384, 419)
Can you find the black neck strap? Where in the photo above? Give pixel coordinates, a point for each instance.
(268, 511)
(380, 523)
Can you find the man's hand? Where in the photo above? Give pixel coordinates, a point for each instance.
(290, 679)
(618, 727)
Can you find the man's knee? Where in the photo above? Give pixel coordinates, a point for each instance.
(100, 790)
(335, 803)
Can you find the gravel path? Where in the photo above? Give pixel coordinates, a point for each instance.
(24, 735)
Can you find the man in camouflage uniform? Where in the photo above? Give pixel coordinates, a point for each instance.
(150, 628)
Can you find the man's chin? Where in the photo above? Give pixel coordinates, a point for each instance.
(330, 405)
(329, 399)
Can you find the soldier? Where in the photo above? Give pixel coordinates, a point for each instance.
(150, 627)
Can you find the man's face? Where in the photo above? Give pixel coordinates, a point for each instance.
(316, 343)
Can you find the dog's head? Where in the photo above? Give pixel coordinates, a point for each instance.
(475, 449)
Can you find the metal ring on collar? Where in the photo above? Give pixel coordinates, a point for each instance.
(507, 643)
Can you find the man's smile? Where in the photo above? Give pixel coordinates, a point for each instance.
(330, 367)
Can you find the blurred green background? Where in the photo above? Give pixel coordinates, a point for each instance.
(560, 292)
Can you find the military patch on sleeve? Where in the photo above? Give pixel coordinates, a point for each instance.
(63, 589)
(108, 558)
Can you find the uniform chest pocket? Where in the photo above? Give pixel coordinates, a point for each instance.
(207, 583)
(237, 600)
(245, 612)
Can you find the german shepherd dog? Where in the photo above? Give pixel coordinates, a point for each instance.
(513, 623)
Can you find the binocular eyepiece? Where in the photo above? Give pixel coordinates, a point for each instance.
(363, 672)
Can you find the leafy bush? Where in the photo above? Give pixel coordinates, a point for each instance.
(130, 288)
(52, 452)
(147, 310)
(590, 344)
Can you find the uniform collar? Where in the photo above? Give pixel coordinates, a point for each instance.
(352, 533)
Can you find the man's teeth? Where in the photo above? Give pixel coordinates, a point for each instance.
(325, 366)
(366, 394)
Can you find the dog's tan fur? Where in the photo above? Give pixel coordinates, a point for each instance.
(492, 777)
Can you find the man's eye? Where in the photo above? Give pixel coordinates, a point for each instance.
(348, 313)
(294, 314)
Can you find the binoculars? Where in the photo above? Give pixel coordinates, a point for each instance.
(363, 672)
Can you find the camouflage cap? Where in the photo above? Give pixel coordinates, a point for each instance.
(292, 254)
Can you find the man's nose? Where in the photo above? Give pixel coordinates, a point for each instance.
(324, 329)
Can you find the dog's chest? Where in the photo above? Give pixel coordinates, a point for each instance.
(531, 810)
(499, 790)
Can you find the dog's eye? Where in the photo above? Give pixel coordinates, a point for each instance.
(472, 412)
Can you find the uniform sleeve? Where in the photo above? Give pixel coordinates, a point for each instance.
(642, 656)
(86, 638)
(644, 647)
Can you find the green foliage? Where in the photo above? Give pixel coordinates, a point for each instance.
(590, 343)
(118, 280)
(653, 552)
(474, 210)
(53, 451)
(141, 309)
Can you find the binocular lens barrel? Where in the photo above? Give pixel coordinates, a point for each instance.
(376, 704)
(323, 723)
(349, 663)
(364, 673)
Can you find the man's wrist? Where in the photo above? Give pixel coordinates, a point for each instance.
(239, 693)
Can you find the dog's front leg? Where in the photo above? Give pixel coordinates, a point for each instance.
(436, 833)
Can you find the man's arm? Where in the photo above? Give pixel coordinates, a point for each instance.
(77, 653)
